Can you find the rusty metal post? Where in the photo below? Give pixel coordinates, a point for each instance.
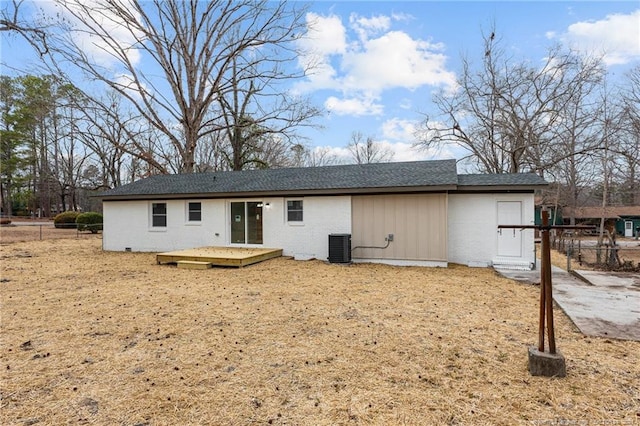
(548, 292)
(541, 363)
(542, 311)
(541, 321)
(543, 277)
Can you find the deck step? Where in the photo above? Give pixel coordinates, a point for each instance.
(193, 264)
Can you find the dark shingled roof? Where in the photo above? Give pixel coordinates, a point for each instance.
(344, 179)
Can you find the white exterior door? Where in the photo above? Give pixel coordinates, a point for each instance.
(509, 240)
(628, 228)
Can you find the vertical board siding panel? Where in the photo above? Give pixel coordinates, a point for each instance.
(422, 231)
(374, 218)
(412, 226)
(359, 221)
(431, 224)
(418, 222)
(388, 228)
(425, 239)
(356, 221)
(398, 230)
(444, 224)
(403, 239)
(367, 214)
(442, 228)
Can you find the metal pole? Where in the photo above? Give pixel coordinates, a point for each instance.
(40, 232)
(548, 295)
(543, 286)
(542, 309)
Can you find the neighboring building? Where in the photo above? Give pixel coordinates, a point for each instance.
(433, 215)
(624, 220)
(555, 214)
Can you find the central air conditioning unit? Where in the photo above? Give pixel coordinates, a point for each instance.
(339, 248)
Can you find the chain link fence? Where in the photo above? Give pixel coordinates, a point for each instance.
(21, 232)
(620, 255)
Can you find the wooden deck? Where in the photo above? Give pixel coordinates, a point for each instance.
(220, 256)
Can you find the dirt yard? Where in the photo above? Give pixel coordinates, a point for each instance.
(36, 232)
(90, 337)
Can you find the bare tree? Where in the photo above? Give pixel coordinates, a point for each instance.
(366, 150)
(629, 140)
(576, 138)
(212, 153)
(11, 21)
(190, 50)
(303, 156)
(109, 131)
(504, 113)
(259, 131)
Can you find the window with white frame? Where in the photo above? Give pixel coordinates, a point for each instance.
(194, 211)
(294, 211)
(159, 215)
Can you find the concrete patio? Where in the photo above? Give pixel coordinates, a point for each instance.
(603, 304)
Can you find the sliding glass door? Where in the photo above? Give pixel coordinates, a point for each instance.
(246, 222)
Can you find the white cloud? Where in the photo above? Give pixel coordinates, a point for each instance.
(326, 37)
(396, 60)
(402, 151)
(401, 136)
(101, 16)
(400, 16)
(357, 106)
(374, 59)
(617, 37)
(399, 129)
(367, 27)
(341, 154)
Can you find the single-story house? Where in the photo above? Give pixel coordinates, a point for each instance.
(624, 220)
(408, 213)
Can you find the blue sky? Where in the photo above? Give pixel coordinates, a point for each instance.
(431, 37)
(382, 61)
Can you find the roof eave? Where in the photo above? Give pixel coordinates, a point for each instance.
(282, 193)
(501, 188)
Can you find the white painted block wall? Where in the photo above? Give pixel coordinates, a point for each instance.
(127, 224)
(473, 228)
(322, 216)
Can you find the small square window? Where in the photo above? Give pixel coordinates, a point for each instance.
(195, 212)
(294, 211)
(159, 215)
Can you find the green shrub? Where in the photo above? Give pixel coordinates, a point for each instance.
(89, 221)
(66, 220)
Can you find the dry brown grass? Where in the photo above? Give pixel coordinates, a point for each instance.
(116, 339)
(35, 232)
(560, 260)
